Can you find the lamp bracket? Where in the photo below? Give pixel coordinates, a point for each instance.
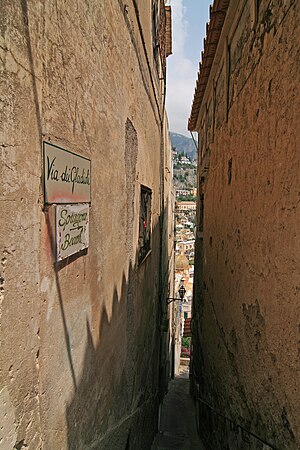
(172, 299)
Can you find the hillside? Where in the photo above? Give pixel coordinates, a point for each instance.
(183, 144)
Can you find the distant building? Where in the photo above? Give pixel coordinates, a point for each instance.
(186, 246)
(185, 206)
(186, 192)
(185, 160)
(183, 192)
(182, 264)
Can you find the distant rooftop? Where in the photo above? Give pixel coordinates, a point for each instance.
(186, 202)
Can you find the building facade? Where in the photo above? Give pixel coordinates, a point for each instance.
(81, 363)
(185, 206)
(246, 293)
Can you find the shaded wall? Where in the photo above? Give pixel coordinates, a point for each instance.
(246, 302)
(80, 341)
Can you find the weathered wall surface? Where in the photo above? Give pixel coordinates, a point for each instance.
(168, 263)
(247, 277)
(80, 341)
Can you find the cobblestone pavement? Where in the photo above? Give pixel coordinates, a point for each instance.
(178, 418)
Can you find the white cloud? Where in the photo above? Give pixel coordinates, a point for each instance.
(181, 73)
(179, 25)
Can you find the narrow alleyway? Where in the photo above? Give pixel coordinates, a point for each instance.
(177, 429)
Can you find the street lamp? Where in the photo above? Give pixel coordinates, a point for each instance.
(181, 292)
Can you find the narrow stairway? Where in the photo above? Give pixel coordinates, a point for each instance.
(177, 430)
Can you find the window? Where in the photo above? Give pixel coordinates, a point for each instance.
(229, 171)
(155, 38)
(144, 245)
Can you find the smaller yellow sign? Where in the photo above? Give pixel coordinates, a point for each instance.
(72, 229)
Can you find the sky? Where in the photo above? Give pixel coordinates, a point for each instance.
(189, 19)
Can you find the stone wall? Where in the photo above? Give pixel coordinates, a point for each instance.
(80, 340)
(246, 302)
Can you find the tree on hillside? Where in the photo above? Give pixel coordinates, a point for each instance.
(181, 154)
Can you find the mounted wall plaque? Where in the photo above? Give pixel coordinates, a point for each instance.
(72, 229)
(67, 176)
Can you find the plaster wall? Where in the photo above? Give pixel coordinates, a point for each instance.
(167, 270)
(80, 342)
(246, 300)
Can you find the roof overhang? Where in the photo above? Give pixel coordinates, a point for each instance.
(213, 32)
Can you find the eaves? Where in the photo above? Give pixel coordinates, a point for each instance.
(216, 31)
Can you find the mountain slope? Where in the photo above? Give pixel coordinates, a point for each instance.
(183, 144)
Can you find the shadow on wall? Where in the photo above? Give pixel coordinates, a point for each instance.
(115, 404)
(116, 400)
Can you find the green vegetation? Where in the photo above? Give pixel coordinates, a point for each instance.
(177, 166)
(186, 342)
(184, 166)
(181, 154)
(186, 198)
(185, 347)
